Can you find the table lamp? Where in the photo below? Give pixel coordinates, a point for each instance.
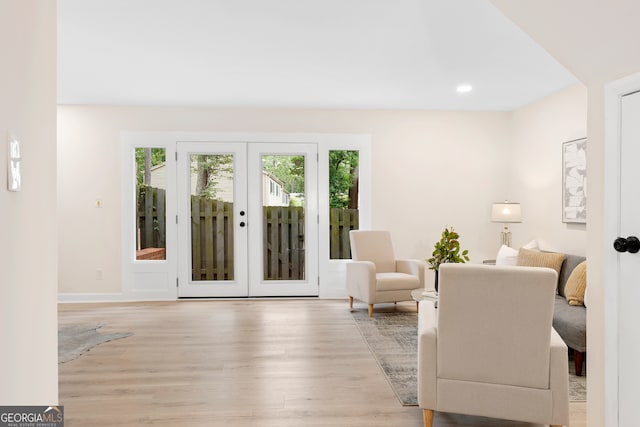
(506, 212)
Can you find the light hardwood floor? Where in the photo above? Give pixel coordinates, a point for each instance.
(235, 363)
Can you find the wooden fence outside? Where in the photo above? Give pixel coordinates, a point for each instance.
(212, 250)
(151, 217)
(283, 243)
(341, 221)
(212, 236)
(212, 241)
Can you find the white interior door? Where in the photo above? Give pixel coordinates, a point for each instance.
(629, 263)
(247, 219)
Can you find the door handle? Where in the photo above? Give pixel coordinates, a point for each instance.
(631, 244)
(242, 224)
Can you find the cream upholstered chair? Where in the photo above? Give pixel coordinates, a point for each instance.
(489, 348)
(375, 275)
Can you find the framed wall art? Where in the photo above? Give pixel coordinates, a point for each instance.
(574, 181)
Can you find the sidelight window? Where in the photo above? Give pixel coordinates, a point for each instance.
(151, 185)
(343, 200)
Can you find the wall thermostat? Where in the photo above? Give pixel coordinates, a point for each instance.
(13, 159)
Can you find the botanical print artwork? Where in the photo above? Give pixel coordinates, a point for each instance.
(574, 167)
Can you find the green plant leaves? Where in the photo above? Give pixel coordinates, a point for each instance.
(447, 250)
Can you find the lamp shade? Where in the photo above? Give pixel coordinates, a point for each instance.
(506, 212)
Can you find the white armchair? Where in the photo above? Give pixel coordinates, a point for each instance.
(374, 275)
(489, 349)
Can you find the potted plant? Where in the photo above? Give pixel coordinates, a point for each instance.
(447, 250)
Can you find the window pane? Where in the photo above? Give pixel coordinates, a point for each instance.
(283, 220)
(151, 184)
(343, 201)
(212, 197)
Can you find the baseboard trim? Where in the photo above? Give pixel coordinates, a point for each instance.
(119, 297)
(90, 297)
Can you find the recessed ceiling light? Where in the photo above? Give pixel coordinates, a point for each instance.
(464, 88)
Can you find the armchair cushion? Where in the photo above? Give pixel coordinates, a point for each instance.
(396, 281)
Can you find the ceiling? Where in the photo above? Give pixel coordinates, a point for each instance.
(566, 29)
(381, 54)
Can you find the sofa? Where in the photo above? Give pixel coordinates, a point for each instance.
(570, 321)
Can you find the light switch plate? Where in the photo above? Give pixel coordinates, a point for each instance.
(14, 158)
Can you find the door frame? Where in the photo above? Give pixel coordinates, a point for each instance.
(332, 272)
(614, 92)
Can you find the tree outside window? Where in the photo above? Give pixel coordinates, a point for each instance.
(343, 201)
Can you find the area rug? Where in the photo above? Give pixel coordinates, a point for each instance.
(392, 337)
(74, 340)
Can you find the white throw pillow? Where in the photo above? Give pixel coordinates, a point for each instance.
(586, 292)
(509, 256)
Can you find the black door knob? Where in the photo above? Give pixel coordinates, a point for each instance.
(631, 244)
(241, 213)
(242, 224)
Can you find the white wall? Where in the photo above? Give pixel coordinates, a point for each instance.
(28, 263)
(430, 169)
(538, 131)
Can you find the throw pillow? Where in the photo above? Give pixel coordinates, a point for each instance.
(586, 292)
(529, 258)
(576, 285)
(509, 256)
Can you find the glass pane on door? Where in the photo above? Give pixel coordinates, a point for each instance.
(212, 198)
(283, 217)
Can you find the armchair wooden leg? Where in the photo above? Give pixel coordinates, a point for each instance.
(350, 301)
(555, 426)
(370, 310)
(427, 415)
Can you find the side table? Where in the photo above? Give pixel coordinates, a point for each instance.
(421, 294)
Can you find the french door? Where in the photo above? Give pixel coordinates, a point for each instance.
(247, 219)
